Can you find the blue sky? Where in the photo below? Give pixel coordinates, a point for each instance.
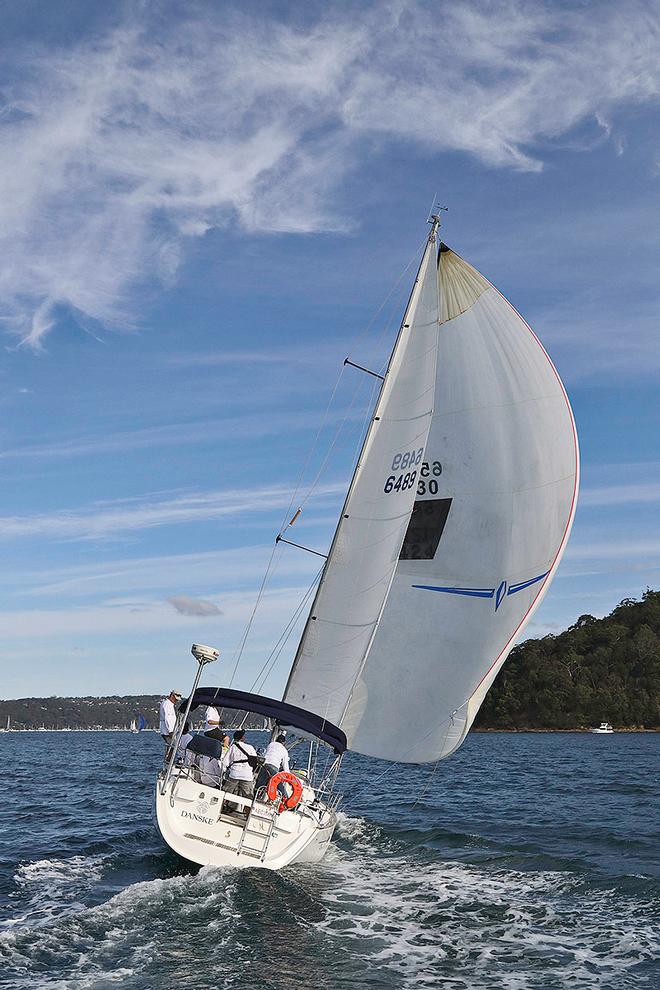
(203, 208)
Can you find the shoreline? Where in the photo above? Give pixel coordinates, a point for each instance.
(587, 731)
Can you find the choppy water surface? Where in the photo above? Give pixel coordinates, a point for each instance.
(525, 861)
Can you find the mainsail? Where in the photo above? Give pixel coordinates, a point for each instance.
(400, 653)
(365, 550)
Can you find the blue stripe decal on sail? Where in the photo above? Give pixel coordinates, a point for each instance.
(525, 584)
(501, 592)
(470, 592)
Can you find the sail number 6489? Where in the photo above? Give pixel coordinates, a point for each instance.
(405, 481)
(400, 484)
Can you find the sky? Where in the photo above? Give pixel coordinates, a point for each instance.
(204, 208)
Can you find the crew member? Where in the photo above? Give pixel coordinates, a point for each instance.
(219, 732)
(211, 719)
(168, 718)
(237, 762)
(183, 755)
(276, 758)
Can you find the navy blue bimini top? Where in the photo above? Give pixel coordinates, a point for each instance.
(282, 712)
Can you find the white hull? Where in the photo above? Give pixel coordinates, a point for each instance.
(602, 732)
(191, 822)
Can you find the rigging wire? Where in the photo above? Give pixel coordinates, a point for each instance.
(280, 644)
(397, 763)
(238, 653)
(356, 340)
(427, 784)
(239, 650)
(283, 527)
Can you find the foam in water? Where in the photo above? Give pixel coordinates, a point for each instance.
(426, 920)
(49, 887)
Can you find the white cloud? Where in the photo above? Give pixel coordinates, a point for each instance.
(104, 520)
(117, 151)
(204, 572)
(630, 494)
(635, 548)
(119, 617)
(185, 605)
(170, 434)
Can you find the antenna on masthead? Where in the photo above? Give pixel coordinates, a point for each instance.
(435, 217)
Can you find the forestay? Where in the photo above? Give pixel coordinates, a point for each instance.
(495, 501)
(366, 546)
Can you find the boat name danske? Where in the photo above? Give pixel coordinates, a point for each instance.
(197, 818)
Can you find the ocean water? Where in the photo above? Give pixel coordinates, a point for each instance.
(523, 862)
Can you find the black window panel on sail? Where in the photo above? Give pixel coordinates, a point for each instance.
(425, 528)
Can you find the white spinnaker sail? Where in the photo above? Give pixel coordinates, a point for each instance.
(494, 509)
(365, 550)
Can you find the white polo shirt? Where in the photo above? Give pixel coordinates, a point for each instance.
(277, 755)
(232, 761)
(167, 717)
(212, 718)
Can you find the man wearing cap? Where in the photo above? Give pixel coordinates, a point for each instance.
(168, 718)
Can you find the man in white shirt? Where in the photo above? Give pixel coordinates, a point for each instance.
(276, 758)
(212, 718)
(168, 717)
(241, 774)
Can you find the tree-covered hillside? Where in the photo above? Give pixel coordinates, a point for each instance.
(79, 713)
(115, 712)
(597, 670)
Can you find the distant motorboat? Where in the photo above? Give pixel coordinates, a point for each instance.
(603, 729)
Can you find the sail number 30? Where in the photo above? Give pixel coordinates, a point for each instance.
(429, 470)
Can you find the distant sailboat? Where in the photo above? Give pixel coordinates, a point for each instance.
(8, 725)
(455, 521)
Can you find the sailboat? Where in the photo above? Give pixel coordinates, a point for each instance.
(455, 521)
(8, 729)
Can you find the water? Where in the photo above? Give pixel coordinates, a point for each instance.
(523, 862)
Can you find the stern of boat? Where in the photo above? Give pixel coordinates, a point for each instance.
(193, 823)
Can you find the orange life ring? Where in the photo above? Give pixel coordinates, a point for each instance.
(284, 777)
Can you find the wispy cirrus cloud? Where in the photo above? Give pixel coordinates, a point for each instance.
(627, 494)
(169, 435)
(205, 572)
(118, 151)
(110, 519)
